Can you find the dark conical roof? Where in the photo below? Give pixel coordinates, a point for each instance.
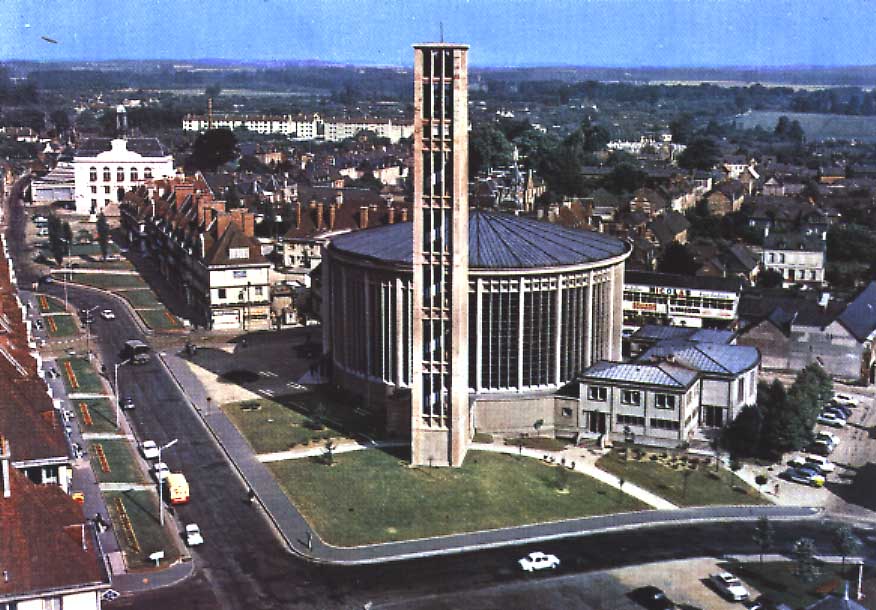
(496, 241)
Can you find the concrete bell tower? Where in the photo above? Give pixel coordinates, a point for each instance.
(440, 428)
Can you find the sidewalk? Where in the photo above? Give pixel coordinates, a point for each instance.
(303, 540)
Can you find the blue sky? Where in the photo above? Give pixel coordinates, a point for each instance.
(500, 32)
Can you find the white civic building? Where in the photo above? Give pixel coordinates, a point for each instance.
(102, 165)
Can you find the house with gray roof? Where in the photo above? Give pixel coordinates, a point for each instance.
(799, 257)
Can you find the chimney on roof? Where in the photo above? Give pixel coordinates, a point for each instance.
(332, 213)
(222, 222)
(390, 219)
(298, 215)
(249, 224)
(404, 215)
(320, 215)
(5, 456)
(363, 217)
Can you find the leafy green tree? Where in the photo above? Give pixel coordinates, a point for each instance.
(56, 238)
(624, 178)
(488, 148)
(742, 436)
(103, 234)
(805, 564)
(682, 128)
(586, 140)
(770, 278)
(764, 536)
(60, 120)
(329, 451)
(677, 259)
(845, 542)
(211, 149)
(701, 153)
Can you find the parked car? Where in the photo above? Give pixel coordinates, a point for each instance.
(39, 324)
(539, 561)
(729, 586)
(652, 598)
(840, 409)
(107, 314)
(149, 450)
(829, 418)
(805, 476)
(160, 470)
(820, 463)
(47, 279)
(845, 399)
(42, 231)
(827, 436)
(193, 535)
(127, 403)
(822, 447)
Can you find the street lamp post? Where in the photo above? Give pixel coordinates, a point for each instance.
(161, 482)
(116, 386)
(88, 331)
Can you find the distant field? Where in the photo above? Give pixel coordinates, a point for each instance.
(816, 126)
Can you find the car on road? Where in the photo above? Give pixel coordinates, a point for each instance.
(729, 586)
(39, 219)
(127, 403)
(42, 231)
(820, 463)
(39, 324)
(193, 535)
(806, 476)
(652, 598)
(845, 399)
(160, 470)
(47, 279)
(149, 450)
(107, 314)
(539, 561)
(829, 418)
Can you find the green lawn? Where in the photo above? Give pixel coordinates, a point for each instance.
(140, 297)
(87, 378)
(142, 510)
(123, 467)
(121, 265)
(101, 410)
(159, 319)
(50, 304)
(373, 496)
(64, 326)
(777, 580)
(273, 426)
(704, 486)
(108, 281)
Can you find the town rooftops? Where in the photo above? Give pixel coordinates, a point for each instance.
(794, 241)
(859, 316)
(705, 357)
(672, 280)
(147, 147)
(45, 544)
(496, 241)
(661, 374)
(660, 332)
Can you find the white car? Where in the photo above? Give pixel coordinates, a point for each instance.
(822, 464)
(845, 399)
(729, 586)
(824, 436)
(107, 314)
(149, 450)
(539, 561)
(828, 418)
(193, 535)
(160, 470)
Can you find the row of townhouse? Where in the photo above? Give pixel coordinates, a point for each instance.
(209, 253)
(303, 127)
(50, 555)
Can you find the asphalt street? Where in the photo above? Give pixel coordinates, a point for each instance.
(244, 565)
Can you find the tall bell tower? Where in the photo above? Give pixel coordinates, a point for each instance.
(440, 429)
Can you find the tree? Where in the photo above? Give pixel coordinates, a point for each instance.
(845, 542)
(764, 536)
(677, 259)
(682, 128)
(488, 147)
(783, 428)
(56, 239)
(211, 149)
(213, 90)
(624, 178)
(782, 126)
(60, 120)
(329, 451)
(232, 200)
(538, 425)
(103, 234)
(562, 478)
(742, 437)
(770, 278)
(806, 565)
(701, 153)
(796, 133)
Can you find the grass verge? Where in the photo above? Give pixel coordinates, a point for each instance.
(141, 508)
(541, 443)
(61, 326)
(101, 414)
(87, 380)
(373, 496)
(140, 298)
(49, 304)
(159, 319)
(119, 459)
(109, 281)
(682, 483)
(270, 426)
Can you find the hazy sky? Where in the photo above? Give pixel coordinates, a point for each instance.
(500, 32)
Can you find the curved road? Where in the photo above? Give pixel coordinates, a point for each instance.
(244, 565)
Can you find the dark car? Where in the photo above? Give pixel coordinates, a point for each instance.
(652, 598)
(128, 403)
(842, 410)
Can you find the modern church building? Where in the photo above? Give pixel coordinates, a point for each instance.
(464, 321)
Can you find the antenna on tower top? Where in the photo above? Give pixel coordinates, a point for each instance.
(441, 27)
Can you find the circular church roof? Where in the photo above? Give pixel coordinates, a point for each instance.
(495, 241)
